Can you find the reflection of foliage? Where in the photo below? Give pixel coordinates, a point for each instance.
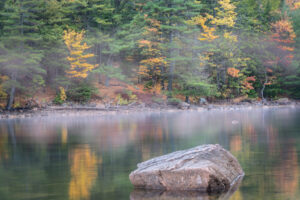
(3, 147)
(288, 173)
(83, 172)
(64, 134)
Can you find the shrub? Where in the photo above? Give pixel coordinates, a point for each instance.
(81, 93)
(126, 97)
(61, 97)
(158, 100)
(174, 101)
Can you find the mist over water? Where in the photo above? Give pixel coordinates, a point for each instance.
(91, 157)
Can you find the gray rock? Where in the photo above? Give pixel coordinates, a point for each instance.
(142, 194)
(183, 106)
(203, 101)
(206, 168)
(283, 101)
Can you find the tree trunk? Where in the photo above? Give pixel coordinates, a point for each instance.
(264, 86)
(99, 60)
(172, 66)
(107, 79)
(162, 83)
(262, 92)
(10, 100)
(187, 99)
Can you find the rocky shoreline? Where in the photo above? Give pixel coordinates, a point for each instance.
(85, 110)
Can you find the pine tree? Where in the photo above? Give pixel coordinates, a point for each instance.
(153, 63)
(21, 54)
(55, 21)
(172, 16)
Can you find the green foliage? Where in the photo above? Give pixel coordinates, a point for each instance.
(81, 93)
(198, 89)
(173, 101)
(150, 43)
(157, 100)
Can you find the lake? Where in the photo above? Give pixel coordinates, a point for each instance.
(61, 158)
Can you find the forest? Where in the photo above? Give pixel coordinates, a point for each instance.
(75, 50)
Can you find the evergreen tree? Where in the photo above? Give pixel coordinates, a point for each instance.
(20, 47)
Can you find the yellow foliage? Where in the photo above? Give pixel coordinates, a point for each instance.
(293, 4)
(62, 94)
(230, 37)
(79, 67)
(153, 62)
(208, 32)
(144, 43)
(143, 70)
(156, 89)
(226, 15)
(83, 172)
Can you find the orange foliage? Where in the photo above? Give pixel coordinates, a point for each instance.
(233, 72)
(283, 31)
(248, 82)
(284, 36)
(285, 48)
(251, 78)
(269, 70)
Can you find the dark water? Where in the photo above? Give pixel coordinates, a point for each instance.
(91, 157)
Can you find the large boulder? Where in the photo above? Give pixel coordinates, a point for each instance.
(141, 194)
(206, 168)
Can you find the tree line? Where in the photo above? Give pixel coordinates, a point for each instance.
(220, 49)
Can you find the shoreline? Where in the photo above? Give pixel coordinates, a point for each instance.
(83, 110)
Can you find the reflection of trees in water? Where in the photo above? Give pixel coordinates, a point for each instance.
(236, 144)
(3, 144)
(83, 172)
(64, 134)
(237, 196)
(287, 172)
(269, 158)
(260, 143)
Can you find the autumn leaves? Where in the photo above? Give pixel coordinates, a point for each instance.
(206, 44)
(79, 67)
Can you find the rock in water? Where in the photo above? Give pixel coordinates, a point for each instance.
(206, 168)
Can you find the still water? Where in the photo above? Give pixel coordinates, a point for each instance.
(72, 158)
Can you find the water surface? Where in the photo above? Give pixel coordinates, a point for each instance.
(61, 158)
